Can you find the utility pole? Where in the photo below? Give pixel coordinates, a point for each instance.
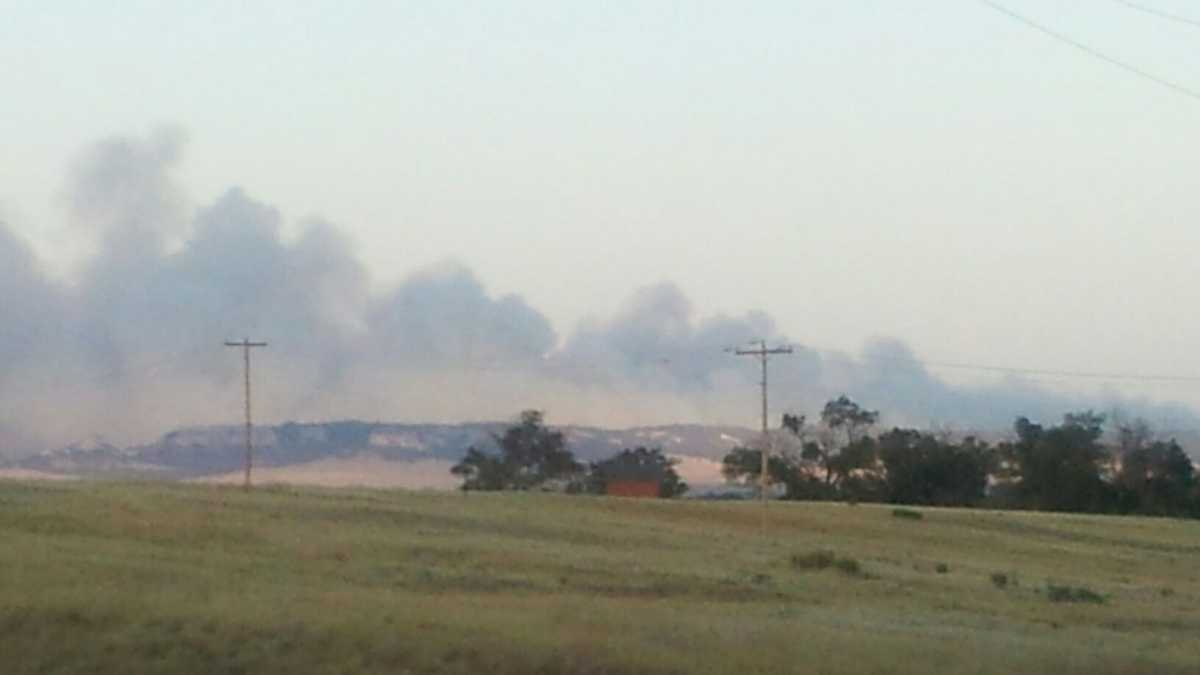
(763, 353)
(246, 345)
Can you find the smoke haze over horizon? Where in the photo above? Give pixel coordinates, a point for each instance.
(129, 345)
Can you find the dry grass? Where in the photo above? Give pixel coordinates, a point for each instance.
(118, 578)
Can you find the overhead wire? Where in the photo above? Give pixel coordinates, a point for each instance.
(1057, 374)
(1159, 13)
(1093, 52)
(1015, 370)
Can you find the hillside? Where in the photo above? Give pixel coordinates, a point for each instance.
(166, 578)
(214, 451)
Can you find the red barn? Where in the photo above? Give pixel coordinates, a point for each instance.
(632, 488)
(636, 473)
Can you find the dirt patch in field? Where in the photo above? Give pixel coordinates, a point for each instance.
(365, 470)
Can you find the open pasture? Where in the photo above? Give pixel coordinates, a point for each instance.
(170, 578)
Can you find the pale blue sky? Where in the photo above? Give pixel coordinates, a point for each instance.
(932, 171)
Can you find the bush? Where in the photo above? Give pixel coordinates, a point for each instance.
(999, 579)
(907, 513)
(849, 566)
(821, 560)
(817, 560)
(942, 568)
(1073, 594)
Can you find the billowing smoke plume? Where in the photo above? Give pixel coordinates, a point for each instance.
(133, 346)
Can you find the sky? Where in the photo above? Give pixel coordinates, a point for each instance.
(933, 173)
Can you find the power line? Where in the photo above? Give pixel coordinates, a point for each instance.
(1065, 373)
(1160, 13)
(1013, 370)
(587, 367)
(1095, 53)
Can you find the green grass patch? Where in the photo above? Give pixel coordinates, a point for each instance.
(823, 560)
(1058, 593)
(907, 514)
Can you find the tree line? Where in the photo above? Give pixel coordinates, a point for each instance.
(1081, 464)
(1076, 465)
(533, 456)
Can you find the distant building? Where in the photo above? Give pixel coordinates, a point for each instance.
(632, 488)
(631, 479)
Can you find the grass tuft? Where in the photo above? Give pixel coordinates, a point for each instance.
(1073, 594)
(815, 560)
(849, 566)
(823, 560)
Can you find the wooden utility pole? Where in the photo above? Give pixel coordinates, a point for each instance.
(764, 354)
(246, 345)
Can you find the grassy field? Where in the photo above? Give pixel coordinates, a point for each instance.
(164, 578)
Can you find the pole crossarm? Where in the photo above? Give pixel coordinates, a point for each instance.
(763, 351)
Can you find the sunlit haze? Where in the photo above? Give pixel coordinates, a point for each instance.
(452, 210)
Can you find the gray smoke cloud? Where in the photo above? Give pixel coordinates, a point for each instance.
(443, 316)
(132, 347)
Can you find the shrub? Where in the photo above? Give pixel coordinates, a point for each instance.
(1073, 594)
(821, 560)
(942, 568)
(999, 579)
(849, 566)
(907, 513)
(816, 560)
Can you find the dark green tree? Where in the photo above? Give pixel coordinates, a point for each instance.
(785, 467)
(1059, 468)
(639, 464)
(920, 468)
(843, 449)
(531, 455)
(844, 416)
(482, 471)
(836, 459)
(1155, 478)
(744, 465)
